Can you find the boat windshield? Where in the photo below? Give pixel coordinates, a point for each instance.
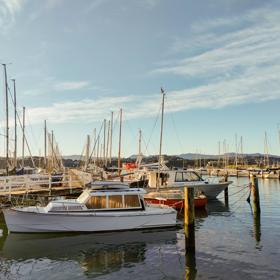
(187, 176)
(83, 197)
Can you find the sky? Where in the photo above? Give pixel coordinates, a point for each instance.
(75, 62)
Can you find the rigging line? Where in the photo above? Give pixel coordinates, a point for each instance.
(32, 133)
(134, 136)
(25, 139)
(238, 200)
(176, 132)
(100, 130)
(81, 155)
(239, 191)
(26, 142)
(154, 126)
(115, 126)
(145, 143)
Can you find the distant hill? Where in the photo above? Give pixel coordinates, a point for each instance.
(187, 156)
(73, 157)
(192, 156)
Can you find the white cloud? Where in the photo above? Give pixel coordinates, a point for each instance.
(48, 85)
(236, 66)
(71, 85)
(8, 12)
(86, 110)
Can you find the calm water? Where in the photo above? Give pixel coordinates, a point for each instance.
(230, 244)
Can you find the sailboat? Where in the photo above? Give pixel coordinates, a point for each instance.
(163, 190)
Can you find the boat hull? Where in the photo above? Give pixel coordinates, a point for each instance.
(20, 221)
(211, 190)
(178, 204)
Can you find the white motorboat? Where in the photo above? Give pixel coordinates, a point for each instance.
(170, 179)
(99, 208)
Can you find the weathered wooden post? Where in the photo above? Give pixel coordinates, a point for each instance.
(226, 190)
(10, 189)
(256, 207)
(50, 185)
(255, 194)
(189, 228)
(70, 183)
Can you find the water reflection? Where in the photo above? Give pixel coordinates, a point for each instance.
(96, 253)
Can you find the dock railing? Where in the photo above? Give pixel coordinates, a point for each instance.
(37, 182)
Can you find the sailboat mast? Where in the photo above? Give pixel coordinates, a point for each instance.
(23, 135)
(45, 144)
(94, 147)
(15, 116)
(108, 140)
(120, 138)
(104, 143)
(87, 151)
(236, 151)
(111, 136)
(139, 143)
(161, 125)
(7, 119)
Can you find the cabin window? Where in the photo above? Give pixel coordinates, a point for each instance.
(131, 201)
(190, 176)
(115, 201)
(96, 202)
(179, 177)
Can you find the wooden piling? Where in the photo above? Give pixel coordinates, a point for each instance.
(255, 194)
(256, 208)
(226, 190)
(189, 218)
(189, 206)
(189, 228)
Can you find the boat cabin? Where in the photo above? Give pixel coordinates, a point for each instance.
(102, 198)
(167, 178)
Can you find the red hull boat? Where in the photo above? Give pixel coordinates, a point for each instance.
(178, 203)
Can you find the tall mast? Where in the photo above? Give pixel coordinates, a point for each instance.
(104, 143)
(266, 152)
(120, 139)
(160, 141)
(7, 119)
(236, 151)
(97, 152)
(15, 116)
(23, 134)
(52, 152)
(279, 132)
(108, 140)
(139, 142)
(161, 126)
(111, 136)
(94, 151)
(219, 150)
(241, 150)
(87, 151)
(45, 144)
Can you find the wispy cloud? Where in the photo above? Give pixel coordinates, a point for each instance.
(48, 85)
(8, 11)
(86, 110)
(71, 85)
(235, 59)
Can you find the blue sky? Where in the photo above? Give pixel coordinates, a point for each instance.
(76, 61)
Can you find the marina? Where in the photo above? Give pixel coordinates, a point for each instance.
(228, 241)
(139, 140)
